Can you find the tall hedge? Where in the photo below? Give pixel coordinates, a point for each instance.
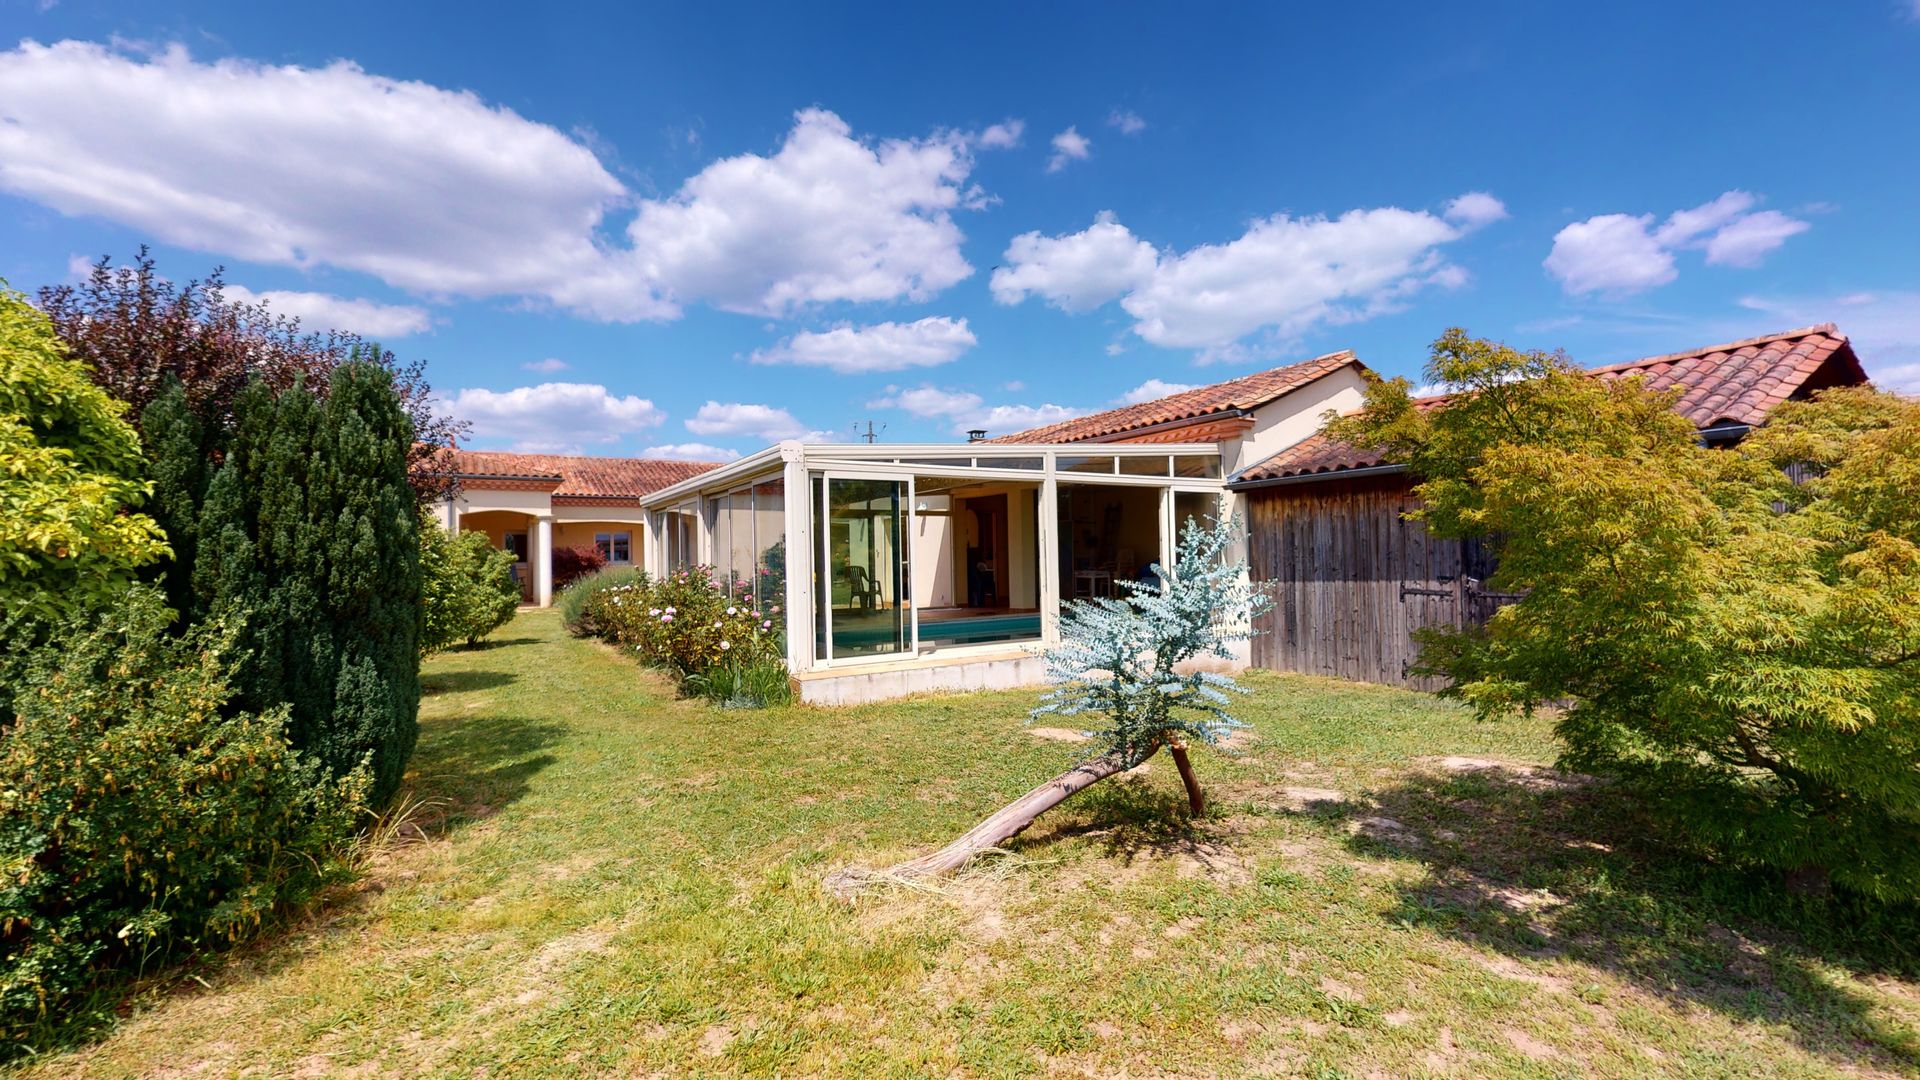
(309, 527)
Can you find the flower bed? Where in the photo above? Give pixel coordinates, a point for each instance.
(721, 646)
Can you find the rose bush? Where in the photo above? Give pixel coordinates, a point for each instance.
(689, 623)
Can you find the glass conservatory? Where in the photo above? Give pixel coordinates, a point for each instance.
(898, 568)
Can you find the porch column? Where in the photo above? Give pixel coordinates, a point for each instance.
(543, 560)
(1048, 536)
(802, 561)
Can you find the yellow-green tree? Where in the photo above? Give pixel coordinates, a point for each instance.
(1741, 648)
(70, 471)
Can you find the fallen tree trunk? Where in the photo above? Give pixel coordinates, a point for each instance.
(1006, 823)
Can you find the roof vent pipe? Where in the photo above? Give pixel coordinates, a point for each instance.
(977, 435)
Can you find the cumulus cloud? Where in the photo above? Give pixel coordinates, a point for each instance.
(1625, 253)
(439, 193)
(1076, 272)
(1069, 146)
(887, 346)
(826, 218)
(323, 311)
(1883, 325)
(1004, 135)
(547, 366)
(1127, 121)
(742, 420)
(964, 410)
(690, 451)
(553, 416)
(1153, 390)
(1283, 275)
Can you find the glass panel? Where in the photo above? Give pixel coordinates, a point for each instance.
(1201, 465)
(770, 560)
(740, 543)
(863, 534)
(1010, 462)
(821, 594)
(1084, 464)
(717, 516)
(1193, 508)
(950, 462)
(1143, 466)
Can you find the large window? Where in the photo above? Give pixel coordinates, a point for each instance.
(679, 540)
(770, 545)
(863, 607)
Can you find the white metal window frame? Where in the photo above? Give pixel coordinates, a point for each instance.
(903, 554)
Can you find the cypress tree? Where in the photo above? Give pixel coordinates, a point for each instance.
(177, 455)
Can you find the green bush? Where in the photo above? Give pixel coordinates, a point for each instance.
(309, 525)
(72, 467)
(686, 622)
(575, 602)
(467, 589)
(139, 817)
(1742, 649)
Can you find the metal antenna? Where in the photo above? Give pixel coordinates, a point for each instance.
(872, 434)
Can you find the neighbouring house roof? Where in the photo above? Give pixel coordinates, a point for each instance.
(1737, 384)
(1189, 407)
(571, 478)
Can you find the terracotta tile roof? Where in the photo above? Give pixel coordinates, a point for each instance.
(1740, 382)
(576, 476)
(1246, 392)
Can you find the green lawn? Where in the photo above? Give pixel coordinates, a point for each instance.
(618, 883)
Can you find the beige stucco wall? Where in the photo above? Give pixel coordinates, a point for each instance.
(1292, 417)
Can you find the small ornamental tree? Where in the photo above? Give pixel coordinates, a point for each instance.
(70, 468)
(1120, 660)
(1741, 649)
(466, 586)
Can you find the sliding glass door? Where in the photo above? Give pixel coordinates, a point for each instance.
(863, 593)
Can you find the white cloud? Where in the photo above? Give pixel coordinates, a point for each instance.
(1623, 253)
(1747, 241)
(887, 346)
(439, 193)
(929, 401)
(1612, 253)
(1013, 387)
(737, 419)
(1127, 121)
(430, 190)
(547, 366)
(1068, 146)
(964, 410)
(1076, 272)
(1153, 390)
(1002, 136)
(1475, 209)
(1284, 274)
(322, 311)
(826, 218)
(553, 416)
(1884, 328)
(690, 451)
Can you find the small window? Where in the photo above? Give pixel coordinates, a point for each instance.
(1144, 466)
(614, 547)
(1065, 463)
(1009, 463)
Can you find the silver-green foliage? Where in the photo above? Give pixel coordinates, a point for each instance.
(1117, 657)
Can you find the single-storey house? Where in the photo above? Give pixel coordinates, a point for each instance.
(1353, 578)
(530, 504)
(900, 568)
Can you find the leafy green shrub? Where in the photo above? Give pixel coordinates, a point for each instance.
(467, 589)
(1742, 649)
(688, 624)
(743, 684)
(575, 602)
(72, 466)
(139, 818)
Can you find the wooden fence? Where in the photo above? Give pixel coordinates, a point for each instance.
(1352, 579)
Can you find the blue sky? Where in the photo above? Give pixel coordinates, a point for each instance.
(693, 229)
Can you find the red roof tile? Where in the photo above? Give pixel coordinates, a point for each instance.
(576, 476)
(1740, 382)
(1246, 392)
